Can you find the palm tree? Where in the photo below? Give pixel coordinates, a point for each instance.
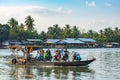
(13, 23)
(67, 31)
(29, 23)
(50, 32)
(43, 35)
(116, 29)
(54, 32)
(91, 33)
(21, 27)
(75, 32)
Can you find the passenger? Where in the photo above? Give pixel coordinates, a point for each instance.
(57, 55)
(62, 52)
(49, 55)
(76, 56)
(65, 57)
(45, 55)
(38, 56)
(41, 53)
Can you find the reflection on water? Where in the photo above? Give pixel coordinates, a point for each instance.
(17, 72)
(106, 67)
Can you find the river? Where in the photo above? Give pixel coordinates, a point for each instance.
(106, 67)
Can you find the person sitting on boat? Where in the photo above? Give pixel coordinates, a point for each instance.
(57, 55)
(38, 57)
(45, 56)
(49, 55)
(65, 56)
(62, 53)
(41, 53)
(76, 56)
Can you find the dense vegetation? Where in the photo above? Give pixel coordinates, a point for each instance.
(13, 31)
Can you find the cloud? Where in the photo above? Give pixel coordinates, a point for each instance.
(98, 24)
(43, 16)
(108, 4)
(91, 4)
(61, 10)
(14, 11)
(57, 15)
(48, 11)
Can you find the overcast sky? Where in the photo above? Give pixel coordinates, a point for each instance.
(85, 14)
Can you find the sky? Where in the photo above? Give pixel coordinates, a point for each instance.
(85, 14)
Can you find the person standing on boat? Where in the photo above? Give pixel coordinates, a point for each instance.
(26, 52)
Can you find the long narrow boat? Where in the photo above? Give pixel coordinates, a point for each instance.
(19, 60)
(60, 63)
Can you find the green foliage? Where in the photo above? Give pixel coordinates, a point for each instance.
(13, 24)
(13, 31)
(54, 32)
(4, 31)
(29, 23)
(43, 35)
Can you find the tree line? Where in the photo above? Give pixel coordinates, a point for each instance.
(15, 31)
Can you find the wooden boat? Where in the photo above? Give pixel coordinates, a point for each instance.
(20, 60)
(58, 63)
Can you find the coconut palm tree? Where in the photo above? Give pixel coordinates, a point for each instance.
(13, 23)
(29, 23)
(54, 32)
(67, 31)
(75, 32)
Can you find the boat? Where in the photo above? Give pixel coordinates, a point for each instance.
(54, 63)
(34, 61)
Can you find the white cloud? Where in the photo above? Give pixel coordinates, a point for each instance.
(91, 4)
(48, 11)
(61, 10)
(97, 25)
(43, 16)
(108, 4)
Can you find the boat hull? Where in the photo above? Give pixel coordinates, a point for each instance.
(48, 63)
